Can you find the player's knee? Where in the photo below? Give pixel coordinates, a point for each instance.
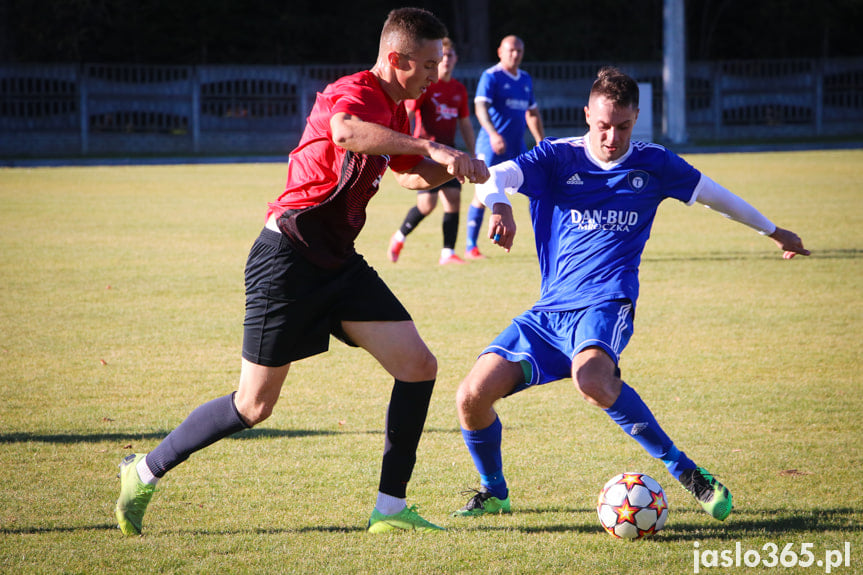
(465, 398)
(599, 391)
(423, 367)
(253, 411)
(475, 396)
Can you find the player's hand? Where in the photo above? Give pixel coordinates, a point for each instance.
(789, 242)
(457, 163)
(501, 226)
(498, 144)
(479, 172)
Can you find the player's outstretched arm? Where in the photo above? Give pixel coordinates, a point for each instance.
(458, 164)
(721, 200)
(429, 174)
(789, 242)
(354, 134)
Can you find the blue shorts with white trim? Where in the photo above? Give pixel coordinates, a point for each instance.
(550, 340)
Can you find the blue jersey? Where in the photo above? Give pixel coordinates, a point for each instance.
(508, 98)
(591, 222)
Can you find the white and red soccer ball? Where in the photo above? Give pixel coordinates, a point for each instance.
(632, 506)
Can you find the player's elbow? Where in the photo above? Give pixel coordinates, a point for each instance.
(342, 133)
(411, 181)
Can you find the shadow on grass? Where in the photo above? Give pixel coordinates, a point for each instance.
(153, 435)
(58, 529)
(839, 254)
(740, 525)
(249, 434)
(743, 523)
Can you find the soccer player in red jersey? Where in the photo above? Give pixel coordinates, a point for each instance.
(441, 110)
(305, 281)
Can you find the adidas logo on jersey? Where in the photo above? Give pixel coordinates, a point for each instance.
(574, 180)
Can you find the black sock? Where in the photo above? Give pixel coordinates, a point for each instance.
(207, 424)
(450, 229)
(406, 416)
(412, 220)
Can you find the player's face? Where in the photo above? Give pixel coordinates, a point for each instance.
(510, 53)
(447, 64)
(610, 128)
(416, 71)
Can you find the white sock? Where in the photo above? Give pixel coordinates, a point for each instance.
(446, 252)
(144, 472)
(400, 237)
(389, 505)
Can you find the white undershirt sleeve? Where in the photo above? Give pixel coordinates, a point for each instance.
(505, 178)
(717, 198)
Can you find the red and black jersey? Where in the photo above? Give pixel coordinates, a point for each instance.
(324, 204)
(438, 111)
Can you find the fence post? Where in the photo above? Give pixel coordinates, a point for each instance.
(196, 110)
(674, 72)
(84, 115)
(717, 99)
(819, 96)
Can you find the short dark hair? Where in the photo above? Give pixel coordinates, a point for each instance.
(407, 27)
(618, 87)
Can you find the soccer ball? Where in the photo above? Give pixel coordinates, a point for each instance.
(632, 506)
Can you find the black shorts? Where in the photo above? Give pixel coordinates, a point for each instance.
(292, 306)
(453, 183)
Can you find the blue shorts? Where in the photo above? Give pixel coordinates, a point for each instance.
(549, 340)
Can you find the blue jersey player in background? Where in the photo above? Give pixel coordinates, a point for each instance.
(592, 202)
(504, 105)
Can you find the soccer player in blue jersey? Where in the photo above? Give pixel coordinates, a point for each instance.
(504, 105)
(592, 203)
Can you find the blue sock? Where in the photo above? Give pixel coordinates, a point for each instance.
(484, 448)
(474, 224)
(635, 418)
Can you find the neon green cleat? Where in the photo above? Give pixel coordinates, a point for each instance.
(135, 495)
(483, 503)
(712, 495)
(407, 519)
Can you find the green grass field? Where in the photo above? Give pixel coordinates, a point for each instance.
(122, 308)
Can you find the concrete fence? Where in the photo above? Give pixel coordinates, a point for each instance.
(110, 109)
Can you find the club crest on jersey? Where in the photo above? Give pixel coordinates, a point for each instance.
(638, 180)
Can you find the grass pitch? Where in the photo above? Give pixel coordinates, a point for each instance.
(122, 308)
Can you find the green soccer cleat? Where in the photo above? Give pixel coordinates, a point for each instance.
(483, 503)
(712, 495)
(407, 519)
(134, 496)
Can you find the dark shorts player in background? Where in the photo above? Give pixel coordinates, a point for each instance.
(442, 109)
(305, 280)
(592, 202)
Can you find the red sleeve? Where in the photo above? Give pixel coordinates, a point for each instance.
(369, 102)
(364, 102)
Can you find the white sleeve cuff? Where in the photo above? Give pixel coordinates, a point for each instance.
(717, 198)
(504, 178)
